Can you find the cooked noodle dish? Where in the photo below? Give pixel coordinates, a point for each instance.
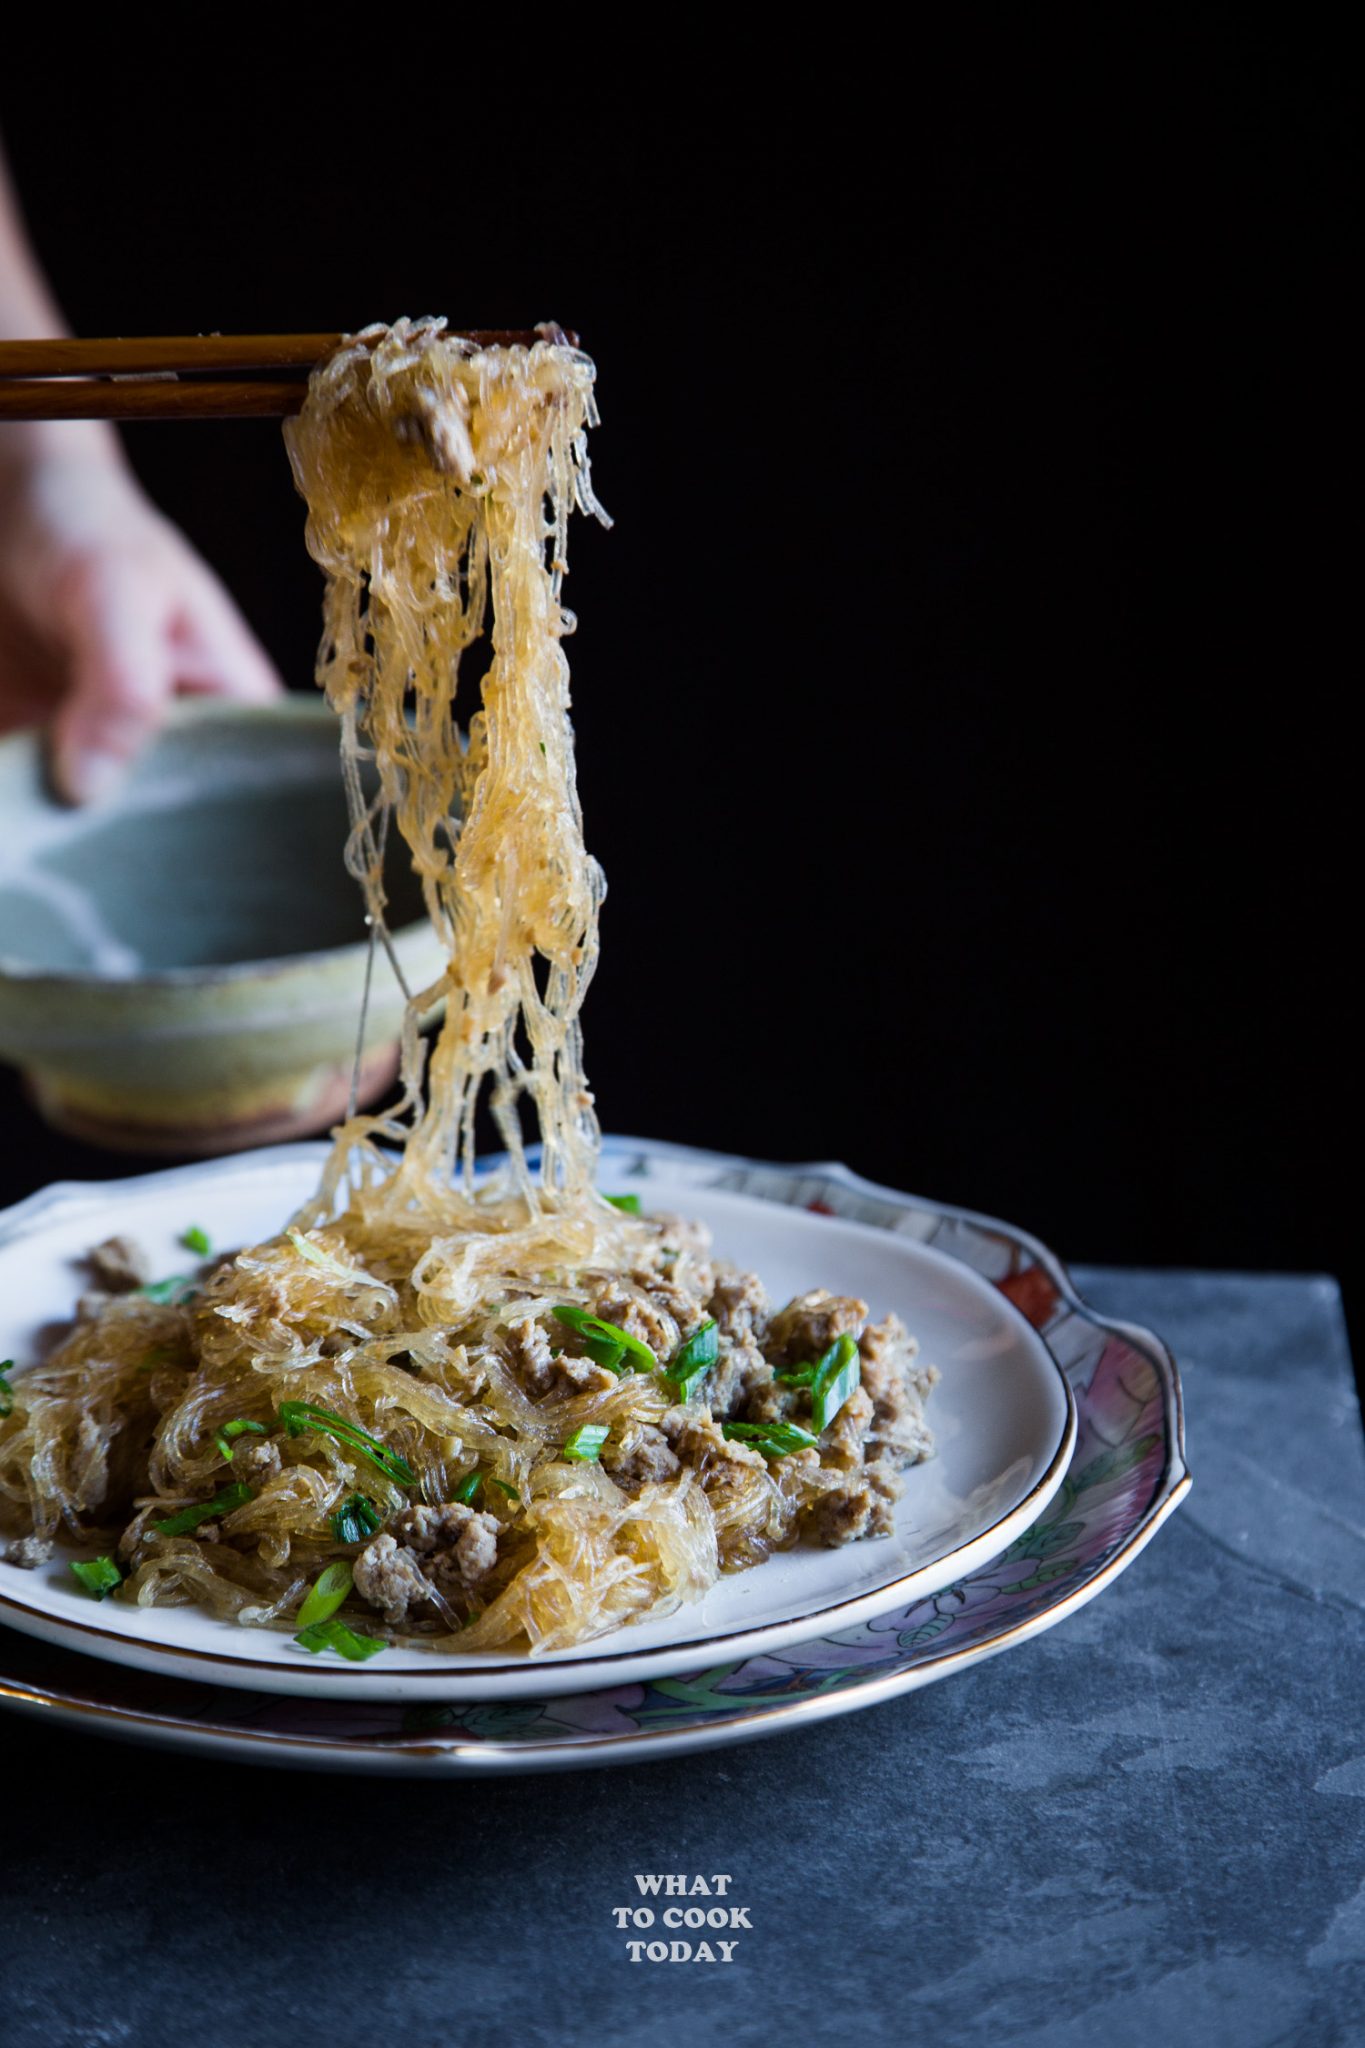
(465, 1409)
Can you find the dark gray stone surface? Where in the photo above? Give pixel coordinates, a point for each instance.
(1146, 1827)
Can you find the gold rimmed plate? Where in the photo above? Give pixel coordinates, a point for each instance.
(1003, 1415)
(1125, 1475)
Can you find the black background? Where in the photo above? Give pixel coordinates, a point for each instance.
(962, 694)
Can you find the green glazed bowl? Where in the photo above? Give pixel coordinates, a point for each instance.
(182, 968)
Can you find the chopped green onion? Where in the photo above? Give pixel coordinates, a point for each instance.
(605, 1343)
(235, 1496)
(773, 1439)
(586, 1442)
(334, 1635)
(470, 1484)
(196, 1240)
(354, 1276)
(797, 1375)
(99, 1577)
(601, 1350)
(355, 1519)
(691, 1363)
(836, 1377)
(239, 1426)
(172, 1290)
(298, 1416)
(628, 1204)
(326, 1594)
(6, 1390)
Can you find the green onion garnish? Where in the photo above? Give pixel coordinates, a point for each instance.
(172, 1290)
(353, 1276)
(606, 1343)
(773, 1439)
(196, 1240)
(693, 1360)
(298, 1416)
(628, 1204)
(235, 1496)
(326, 1594)
(334, 1635)
(99, 1577)
(586, 1441)
(836, 1376)
(239, 1426)
(6, 1390)
(355, 1519)
(472, 1481)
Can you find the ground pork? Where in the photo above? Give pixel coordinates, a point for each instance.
(739, 1303)
(767, 1400)
(842, 1443)
(637, 1313)
(899, 1439)
(862, 1508)
(443, 1550)
(572, 1376)
(531, 1353)
(681, 1233)
(390, 1578)
(643, 1455)
(256, 1460)
(29, 1551)
(898, 1433)
(738, 1374)
(699, 1441)
(118, 1265)
(802, 1331)
(544, 1368)
(684, 1305)
(471, 1535)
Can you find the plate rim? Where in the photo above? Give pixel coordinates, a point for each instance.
(527, 1676)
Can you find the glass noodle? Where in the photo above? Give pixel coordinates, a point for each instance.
(422, 1351)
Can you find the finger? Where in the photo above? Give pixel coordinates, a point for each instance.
(121, 678)
(214, 651)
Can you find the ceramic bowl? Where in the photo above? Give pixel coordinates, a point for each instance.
(182, 968)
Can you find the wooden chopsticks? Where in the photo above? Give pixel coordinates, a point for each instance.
(171, 377)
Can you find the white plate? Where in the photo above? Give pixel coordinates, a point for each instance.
(1003, 1416)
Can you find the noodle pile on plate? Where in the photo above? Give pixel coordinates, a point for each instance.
(503, 1412)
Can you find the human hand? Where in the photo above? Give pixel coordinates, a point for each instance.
(106, 614)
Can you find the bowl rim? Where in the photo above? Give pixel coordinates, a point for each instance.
(313, 713)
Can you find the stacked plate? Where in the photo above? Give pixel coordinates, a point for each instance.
(1060, 1452)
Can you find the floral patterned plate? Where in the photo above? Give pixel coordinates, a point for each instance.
(1003, 1417)
(1125, 1476)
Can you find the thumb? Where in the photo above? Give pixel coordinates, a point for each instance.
(120, 683)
